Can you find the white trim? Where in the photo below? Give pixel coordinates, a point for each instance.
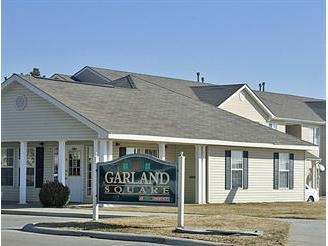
(200, 174)
(161, 151)
(22, 175)
(253, 95)
(291, 120)
(110, 150)
(61, 161)
(207, 142)
(95, 207)
(16, 78)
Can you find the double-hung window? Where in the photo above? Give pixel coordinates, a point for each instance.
(283, 171)
(7, 166)
(315, 135)
(236, 169)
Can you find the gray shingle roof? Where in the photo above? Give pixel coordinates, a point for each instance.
(61, 76)
(216, 94)
(295, 107)
(281, 105)
(156, 111)
(180, 86)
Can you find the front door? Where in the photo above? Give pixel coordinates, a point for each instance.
(74, 170)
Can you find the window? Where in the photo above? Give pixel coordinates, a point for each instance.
(153, 152)
(236, 169)
(55, 163)
(7, 166)
(315, 135)
(74, 162)
(30, 166)
(273, 125)
(283, 170)
(89, 169)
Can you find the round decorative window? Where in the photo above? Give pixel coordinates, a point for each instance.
(21, 102)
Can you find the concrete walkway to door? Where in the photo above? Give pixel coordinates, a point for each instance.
(307, 232)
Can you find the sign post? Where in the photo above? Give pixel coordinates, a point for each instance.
(181, 168)
(95, 206)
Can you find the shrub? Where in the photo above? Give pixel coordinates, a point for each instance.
(54, 194)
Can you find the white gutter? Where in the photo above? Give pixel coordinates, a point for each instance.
(299, 121)
(207, 142)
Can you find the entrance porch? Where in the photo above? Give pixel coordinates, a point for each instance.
(71, 162)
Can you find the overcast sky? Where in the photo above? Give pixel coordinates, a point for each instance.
(281, 42)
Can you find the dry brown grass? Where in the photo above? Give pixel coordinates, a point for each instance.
(274, 232)
(268, 210)
(248, 216)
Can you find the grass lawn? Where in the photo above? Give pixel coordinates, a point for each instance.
(275, 232)
(298, 210)
(248, 216)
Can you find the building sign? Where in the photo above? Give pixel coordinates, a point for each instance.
(137, 179)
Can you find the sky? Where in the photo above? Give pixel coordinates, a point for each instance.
(280, 42)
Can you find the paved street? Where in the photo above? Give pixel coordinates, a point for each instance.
(12, 236)
(307, 232)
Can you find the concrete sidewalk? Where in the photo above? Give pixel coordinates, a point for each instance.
(36, 209)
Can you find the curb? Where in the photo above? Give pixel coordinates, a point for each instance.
(120, 236)
(54, 214)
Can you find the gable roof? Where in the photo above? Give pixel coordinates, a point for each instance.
(180, 86)
(294, 107)
(61, 76)
(277, 106)
(155, 111)
(216, 94)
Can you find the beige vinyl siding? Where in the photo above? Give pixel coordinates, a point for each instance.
(246, 107)
(11, 193)
(172, 153)
(40, 120)
(260, 177)
(281, 127)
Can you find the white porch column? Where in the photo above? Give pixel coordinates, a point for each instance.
(200, 171)
(110, 150)
(103, 150)
(61, 161)
(22, 167)
(161, 151)
(94, 180)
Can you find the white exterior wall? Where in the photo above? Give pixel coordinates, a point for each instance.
(40, 120)
(246, 107)
(260, 177)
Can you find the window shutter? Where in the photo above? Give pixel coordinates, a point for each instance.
(39, 166)
(245, 170)
(275, 171)
(291, 171)
(228, 169)
(122, 151)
